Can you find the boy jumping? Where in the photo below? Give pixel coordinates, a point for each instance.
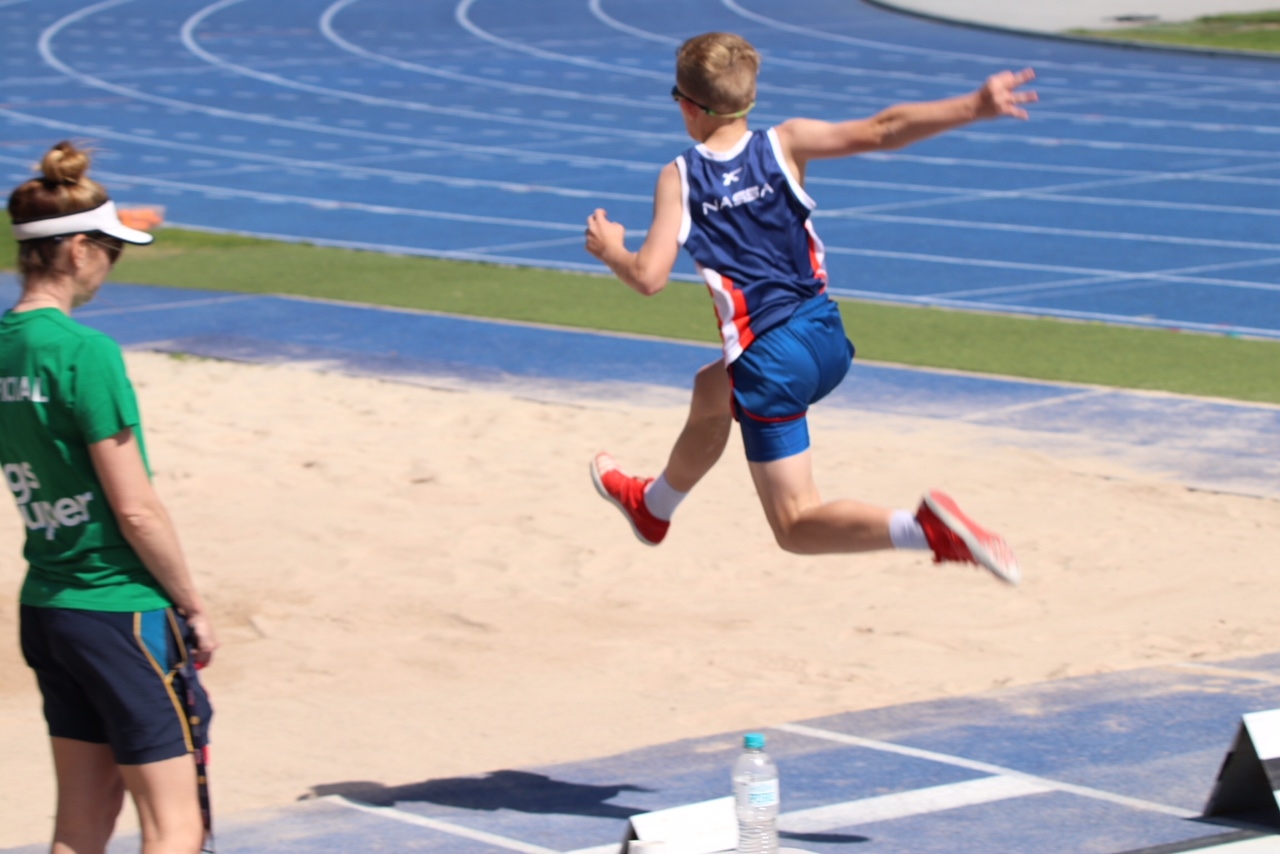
(736, 202)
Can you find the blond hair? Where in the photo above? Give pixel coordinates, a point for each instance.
(63, 188)
(718, 71)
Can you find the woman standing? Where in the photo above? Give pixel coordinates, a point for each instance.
(111, 621)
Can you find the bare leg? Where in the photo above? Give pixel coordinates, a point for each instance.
(90, 795)
(706, 432)
(803, 524)
(168, 805)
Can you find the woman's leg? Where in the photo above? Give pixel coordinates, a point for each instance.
(90, 795)
(168, 805)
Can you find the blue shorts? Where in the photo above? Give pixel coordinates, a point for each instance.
(125, 679)
(782, 372)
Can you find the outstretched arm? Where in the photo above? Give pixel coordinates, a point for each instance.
(645, 271)
(902, 124)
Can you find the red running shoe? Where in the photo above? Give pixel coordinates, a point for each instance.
(627, 494)
(953, 536)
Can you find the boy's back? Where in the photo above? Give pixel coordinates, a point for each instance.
(746, 225)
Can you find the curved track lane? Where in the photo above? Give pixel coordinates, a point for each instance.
(1145, 190)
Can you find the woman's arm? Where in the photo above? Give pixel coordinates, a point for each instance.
(147, 527)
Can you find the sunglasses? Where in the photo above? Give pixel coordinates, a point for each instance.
(113, 246)
(677, 95)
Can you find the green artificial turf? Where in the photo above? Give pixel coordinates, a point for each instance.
(1254, 31)
(1036, 348)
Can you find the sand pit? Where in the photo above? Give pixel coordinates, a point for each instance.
(414, 583)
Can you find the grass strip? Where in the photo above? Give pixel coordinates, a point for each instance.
(1250, 31)
(1034, 348)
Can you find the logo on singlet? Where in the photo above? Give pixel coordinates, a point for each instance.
(18, 389)
(47, 516)
(742, 197)
(732, 177)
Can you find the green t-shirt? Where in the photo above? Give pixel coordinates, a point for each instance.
(63, 387)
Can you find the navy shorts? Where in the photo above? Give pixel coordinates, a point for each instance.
(125, 679)
(782, 372)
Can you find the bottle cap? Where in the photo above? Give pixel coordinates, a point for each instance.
(753, 741)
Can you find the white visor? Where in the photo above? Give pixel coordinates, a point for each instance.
(102, 218)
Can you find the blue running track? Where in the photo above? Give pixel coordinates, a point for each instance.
(1145, 190)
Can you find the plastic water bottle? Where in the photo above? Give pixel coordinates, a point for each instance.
(755, 792)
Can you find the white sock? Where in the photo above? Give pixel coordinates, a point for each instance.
(661, 499)
(906, 532)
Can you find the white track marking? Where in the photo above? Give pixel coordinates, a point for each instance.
(1087, 276)
(189, 41)
(608, 20)
(809, 32)
(1068, 232)
(1099, 316)
(1052, 196)
(327, 29)
(898, 805)
(328, 204)
(987, 768)
(170, 306)
(1170, 276)
(402, 175)
(441, 826)
(462, 14)
(45, 48)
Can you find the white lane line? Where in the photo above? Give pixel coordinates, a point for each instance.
(1065, 232)
(188, 40)
(984, 790)
(1092, 276)
(1136, 279)
(528, 244)
(1233, 672)
(1035, 404)
(987, 768)
(330, 204)
(421, 143)
(421, 252)
(923, 51)
(1222, 174)
(338, 166)
(462, 15)
(45, 47)
(1037, 311)
(1051, 168)
(168, 306)
(1054, 195)
(1089, 275)
(330, 33)
(943, 80)
(1269, 153)
(47, 53)
(441, 826)
(1263, 845)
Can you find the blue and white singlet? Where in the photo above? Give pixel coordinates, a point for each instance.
(746, 224)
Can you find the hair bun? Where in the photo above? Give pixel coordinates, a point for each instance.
(64, 164)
